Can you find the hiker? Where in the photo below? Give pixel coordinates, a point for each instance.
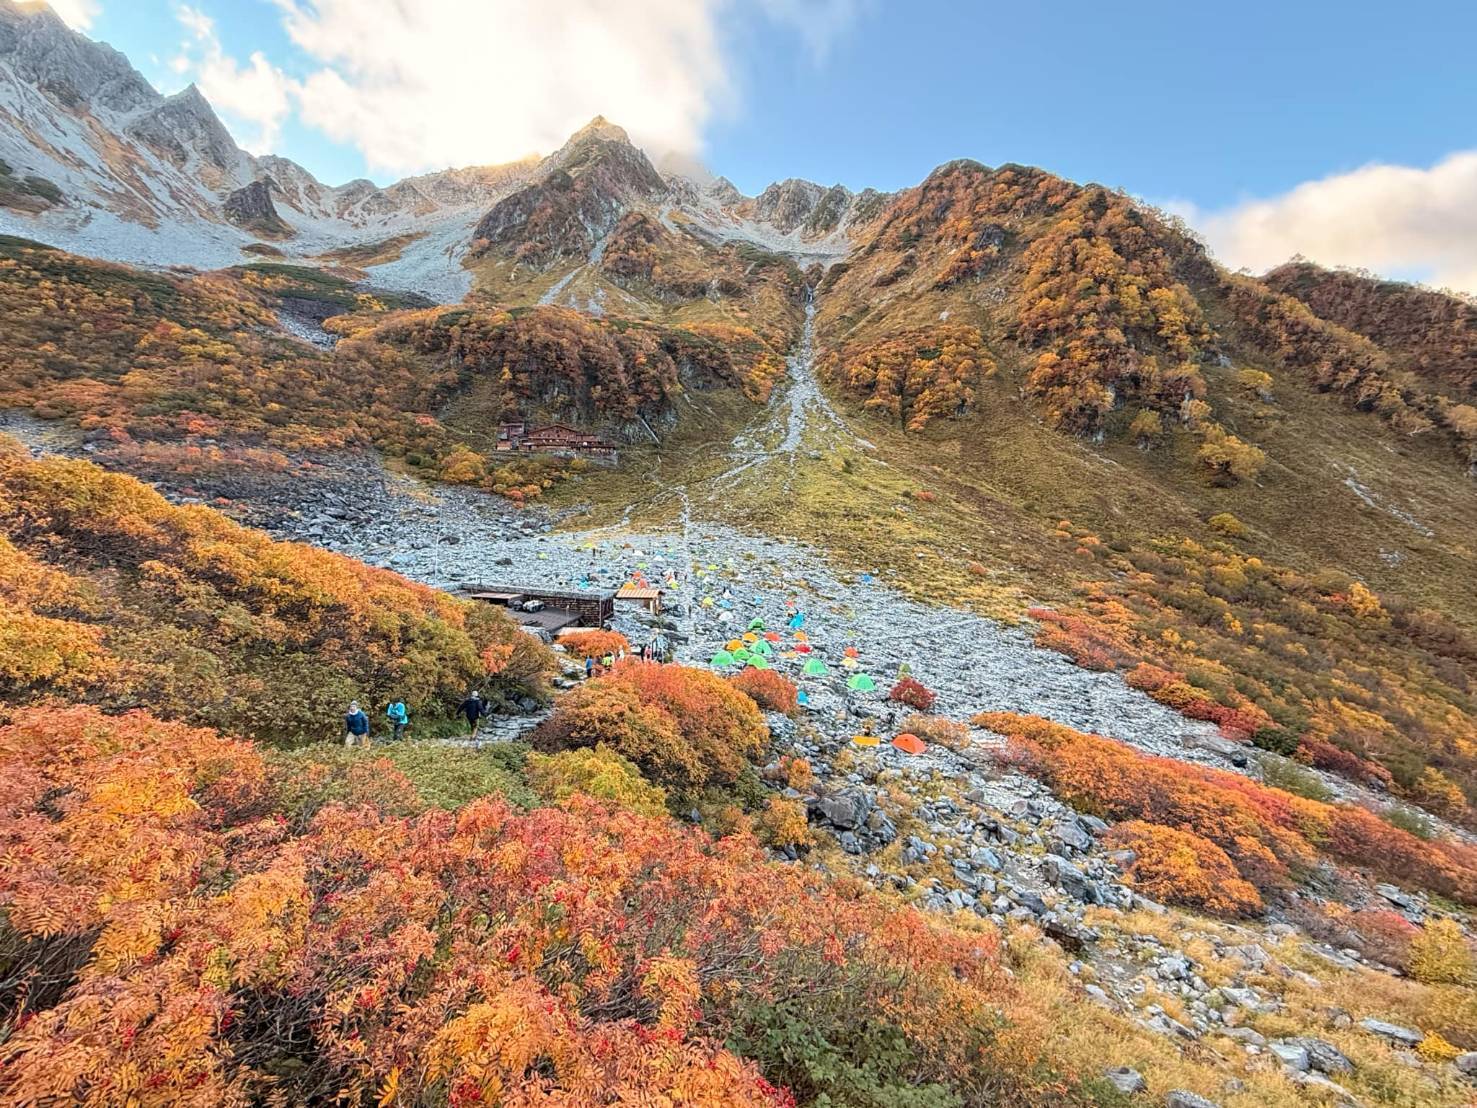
(473, 708)
(399, 717)
(589, 667)
(356, 725)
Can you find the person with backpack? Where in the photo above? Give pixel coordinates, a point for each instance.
(356, 725)
(399, 718)
(474, 708)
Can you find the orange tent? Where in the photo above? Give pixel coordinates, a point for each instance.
(801, 636)
(909, 743)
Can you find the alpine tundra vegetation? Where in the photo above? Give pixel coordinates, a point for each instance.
(964, 645)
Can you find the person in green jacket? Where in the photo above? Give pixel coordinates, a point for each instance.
(399, 718)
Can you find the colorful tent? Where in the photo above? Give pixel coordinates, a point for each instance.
(762, 647)
(759, 663)
(802, 648)
(860, 682)
(909, 743)
(852, 652)
(801, 636)
(814, 667)
(741, 655)
(734, 644)
(850, 663)
(797, 621)
(749, 636)
(866, 740)
(772, 636)
(722, 658)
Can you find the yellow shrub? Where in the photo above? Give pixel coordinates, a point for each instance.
(782, 823)
(1440, 955)
(598, 772)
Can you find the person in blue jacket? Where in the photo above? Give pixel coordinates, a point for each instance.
(356, 725)
(399, 717)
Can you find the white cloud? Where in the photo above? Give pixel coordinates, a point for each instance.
(418, 86)
(77, 14)
(1392, 219)
(257, 95)
(455, 82)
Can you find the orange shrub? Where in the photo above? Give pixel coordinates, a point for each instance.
(774, 692)
(593, 643)
(1180, 867)
(685, 728)
(177, 940)
(1266, 832)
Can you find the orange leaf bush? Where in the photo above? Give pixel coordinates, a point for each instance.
(594, 643)
(173, 939)
(1268, 834)
(1180, 867)
(118, 596)
(773, 692)
(685, 728)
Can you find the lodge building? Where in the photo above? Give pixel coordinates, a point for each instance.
(553, 438)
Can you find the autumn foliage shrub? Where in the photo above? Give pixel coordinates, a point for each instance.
(912, 693)
(773, 692)
(1441, 954)
(916, 377)
(782, 824)
(937, 730)
(169, 937)
(599, 772)
(1268, 834)
(594, 643)
(119, 597)
(685, 728)
(1180, 867)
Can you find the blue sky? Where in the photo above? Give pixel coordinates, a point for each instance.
(1207, 107)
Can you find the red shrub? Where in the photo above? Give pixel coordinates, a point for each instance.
(913, 694)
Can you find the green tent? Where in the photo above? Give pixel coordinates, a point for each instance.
(860, 682)
(741, 655)
(756, 624)
(814, 667)
(722, 658)
(762, 647)
(759, 663)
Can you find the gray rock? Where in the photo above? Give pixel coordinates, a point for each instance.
(1176, 967)
(1069, 879)
(1466, 1063)
(1181, 1098)
(849, 842)
(1073, 837)
(1127, 1081)
(1246, 1035)
(1405, 1036)
(1398, 897)
(985, 858)
(1323, 1056)
(1292, 1054)
(846, 809)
